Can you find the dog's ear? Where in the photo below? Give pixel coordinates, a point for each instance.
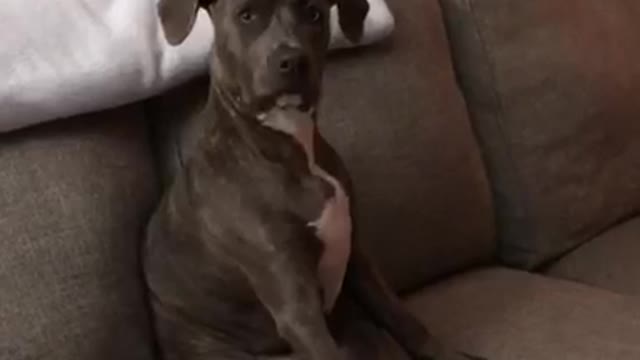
(351, 14)
(178, 16)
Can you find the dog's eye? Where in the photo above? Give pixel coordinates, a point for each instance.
(247, 15)
(312, 13)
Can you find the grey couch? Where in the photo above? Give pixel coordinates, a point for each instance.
(495, 148)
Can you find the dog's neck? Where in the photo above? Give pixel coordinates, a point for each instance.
(258, 131)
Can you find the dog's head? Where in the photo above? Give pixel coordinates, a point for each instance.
(266, 50)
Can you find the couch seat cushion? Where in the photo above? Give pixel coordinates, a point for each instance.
(511, 315)
(609, 261)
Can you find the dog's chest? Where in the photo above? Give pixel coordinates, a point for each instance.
(333, 227)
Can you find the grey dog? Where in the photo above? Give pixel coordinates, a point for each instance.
(251, 252)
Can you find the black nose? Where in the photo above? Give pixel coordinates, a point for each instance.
(290, 61)
(289, 64)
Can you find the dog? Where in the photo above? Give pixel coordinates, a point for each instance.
(251, 252)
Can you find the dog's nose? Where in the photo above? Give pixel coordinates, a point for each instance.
(290, 62)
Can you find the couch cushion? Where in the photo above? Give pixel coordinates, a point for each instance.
(609, 261)
(398, 119)
(553, 88)
(396, 116)
(74, 196)
(511, 315)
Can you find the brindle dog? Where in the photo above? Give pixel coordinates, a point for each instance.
(250, 252)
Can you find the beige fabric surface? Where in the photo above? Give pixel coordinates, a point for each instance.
(397, 117)
(610, 261)
(553, 89)
(511, 315)
(74, 197)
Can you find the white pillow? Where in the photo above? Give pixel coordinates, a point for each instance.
(60, 58)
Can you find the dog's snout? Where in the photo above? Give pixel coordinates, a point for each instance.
(290, 61)
(288, 69)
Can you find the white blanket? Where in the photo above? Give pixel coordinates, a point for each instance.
(60, 58)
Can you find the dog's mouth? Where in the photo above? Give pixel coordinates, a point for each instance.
(291, 101)
(284, 100)
(286, 103)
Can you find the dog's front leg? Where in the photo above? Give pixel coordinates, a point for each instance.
(388, 311)
(283, 274)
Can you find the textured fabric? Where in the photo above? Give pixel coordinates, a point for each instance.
(66, 57)
(511, 315)
(399, 122)
(74, 197)
(609, 261)
(553, 89)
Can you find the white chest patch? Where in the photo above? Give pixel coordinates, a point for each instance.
(333, 227)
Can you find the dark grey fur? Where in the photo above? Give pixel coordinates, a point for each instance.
(229, 260)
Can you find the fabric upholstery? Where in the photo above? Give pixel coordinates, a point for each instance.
(553, 89)
(610, 261)
(74, 196)
(395, 115)
(399, 121)
(510, 315)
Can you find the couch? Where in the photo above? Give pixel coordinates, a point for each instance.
(495, 150)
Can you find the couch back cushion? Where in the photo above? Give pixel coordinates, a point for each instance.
(398, 119)
(74, 197)
(553, 89)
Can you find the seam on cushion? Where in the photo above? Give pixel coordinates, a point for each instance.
(154, 142)
(150, 143)
(523, 196)
(476, 143)
(548, 263)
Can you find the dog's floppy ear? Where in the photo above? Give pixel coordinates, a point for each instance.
(177, 18)
(351, 14)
